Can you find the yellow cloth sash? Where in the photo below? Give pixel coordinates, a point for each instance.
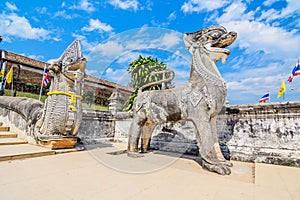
(71, 95)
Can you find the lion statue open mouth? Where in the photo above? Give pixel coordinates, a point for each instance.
(199, 100)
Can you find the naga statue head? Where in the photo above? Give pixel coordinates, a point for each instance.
(212, 41)
(71, 63)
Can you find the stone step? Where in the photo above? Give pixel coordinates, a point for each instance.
(11, 141)
(4, 128)
(1, 123)
(7, 134)
(22, 151)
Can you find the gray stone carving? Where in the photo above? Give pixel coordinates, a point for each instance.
(198, 101)
(55, 123)
(62, 113)
(116, 101)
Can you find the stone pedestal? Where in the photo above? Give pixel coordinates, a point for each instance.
(60, 143)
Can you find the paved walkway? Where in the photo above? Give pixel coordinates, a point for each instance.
(105, 172)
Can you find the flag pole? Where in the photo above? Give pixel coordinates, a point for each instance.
(3, 82)
(41, 88)
(12, 81)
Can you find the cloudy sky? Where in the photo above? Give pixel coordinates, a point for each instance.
(115, 32)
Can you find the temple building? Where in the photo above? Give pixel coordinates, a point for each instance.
(28, 73)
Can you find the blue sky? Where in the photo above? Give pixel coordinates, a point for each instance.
(115, 32)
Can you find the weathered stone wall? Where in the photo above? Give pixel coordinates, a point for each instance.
(268, 133)
(96, 126)
(122, 122)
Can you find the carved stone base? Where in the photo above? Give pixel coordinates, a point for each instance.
(62, 143)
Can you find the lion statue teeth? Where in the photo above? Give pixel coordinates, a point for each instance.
(199, 100)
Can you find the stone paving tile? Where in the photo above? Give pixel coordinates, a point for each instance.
(81, 175)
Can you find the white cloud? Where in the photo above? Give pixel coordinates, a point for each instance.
(268, 49)
(172, 16)
(11, 6)
(122, 48)
(84, 5)
(236, 12)
(91, 72)
(202, 5)
(269, 15)
(170, 39)
(119, 76)
(17, 26)
(254, 36)
(41, 10)
(148, 5)
(125, 4)
(136, 44)
(62, 14)
(36, 57)
(180, 64)
(293, 7)
(86, 46)
(291, 10)
(52, 61)
(96, 24)
(269, 2)
(110, 48)
(128, 57)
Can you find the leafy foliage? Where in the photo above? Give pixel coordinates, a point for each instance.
(89, 97)
(140, 70)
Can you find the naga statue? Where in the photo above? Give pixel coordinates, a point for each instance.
(55, 123)
(198, 101)
(62, 113)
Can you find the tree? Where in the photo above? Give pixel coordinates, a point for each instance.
(140, 72)
(89, 97)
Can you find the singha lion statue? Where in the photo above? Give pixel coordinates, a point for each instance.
(199, 101)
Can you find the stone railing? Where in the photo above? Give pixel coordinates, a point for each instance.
(268, 133)
(96, 126)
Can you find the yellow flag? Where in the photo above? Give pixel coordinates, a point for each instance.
(282, 89)
(9, 75)
(1, 73)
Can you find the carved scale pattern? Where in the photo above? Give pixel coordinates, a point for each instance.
(205, 73)
(59, 118)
